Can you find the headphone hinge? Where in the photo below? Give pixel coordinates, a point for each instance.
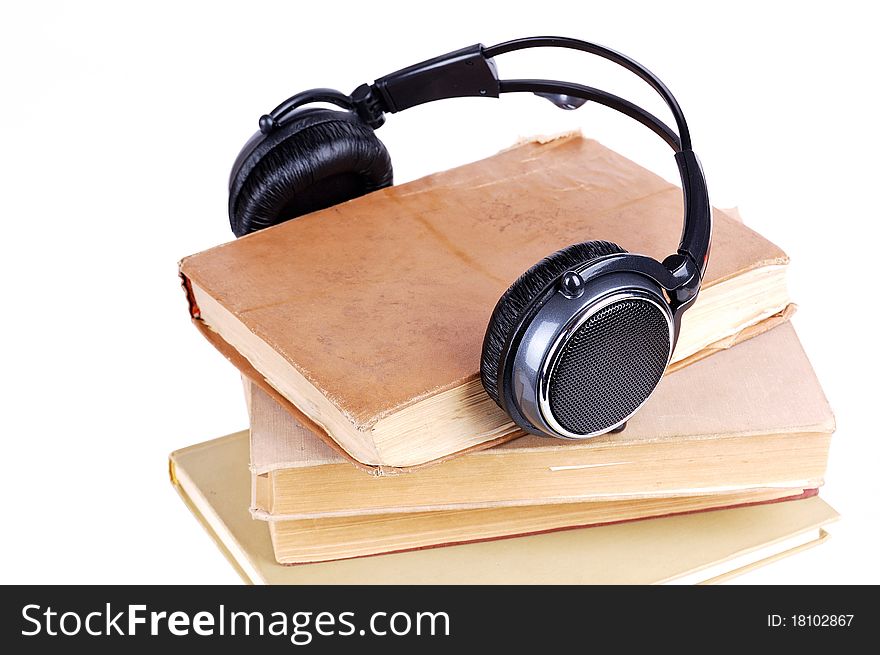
(686, 273)
(368, 105)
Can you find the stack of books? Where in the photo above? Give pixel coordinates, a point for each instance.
(357, 330)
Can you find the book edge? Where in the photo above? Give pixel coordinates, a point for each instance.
(379, 469)
(181, 482)
(264, 574)
(721, 578)
(804, 494)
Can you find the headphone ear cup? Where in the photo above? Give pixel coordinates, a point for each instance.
(519, 297)
(317, 160)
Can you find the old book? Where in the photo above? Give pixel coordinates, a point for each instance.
(213, 480)
(716, 426)
(333, 538)
(366, 319)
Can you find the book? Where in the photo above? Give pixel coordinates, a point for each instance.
(212, 479)
(716, 426)
(327, 539)
(366, 319)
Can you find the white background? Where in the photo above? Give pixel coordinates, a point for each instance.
(119, 125)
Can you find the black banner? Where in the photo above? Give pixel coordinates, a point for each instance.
(328, 619)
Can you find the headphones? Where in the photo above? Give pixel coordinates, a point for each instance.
(578, 343)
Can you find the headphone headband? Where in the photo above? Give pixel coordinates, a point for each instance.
(606, 53)
(471, 72)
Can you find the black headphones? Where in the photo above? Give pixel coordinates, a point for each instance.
(577, 344)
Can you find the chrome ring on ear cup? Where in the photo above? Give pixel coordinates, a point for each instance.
(563, 382)
(581, 366)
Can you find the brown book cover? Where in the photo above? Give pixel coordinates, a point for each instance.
(381, 303)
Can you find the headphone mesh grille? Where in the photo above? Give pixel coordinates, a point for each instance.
(609, 366)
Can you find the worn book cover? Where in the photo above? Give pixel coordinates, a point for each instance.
(365, 320)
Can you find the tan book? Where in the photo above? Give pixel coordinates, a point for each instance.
(213, 480)
(717, 426)
(334, 538)
(366, 320)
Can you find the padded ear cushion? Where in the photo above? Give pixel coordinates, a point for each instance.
(313, 161)
(519, 297)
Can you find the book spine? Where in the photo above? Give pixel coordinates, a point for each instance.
(194, 311)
